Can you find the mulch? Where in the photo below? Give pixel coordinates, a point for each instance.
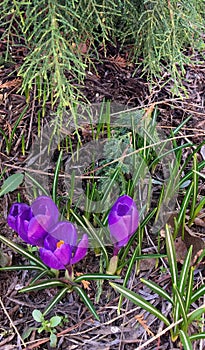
(117, 81)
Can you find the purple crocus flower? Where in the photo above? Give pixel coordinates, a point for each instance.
(33, 223)
(123, 221)
(60, 249)
(45, 216)
(18, 219)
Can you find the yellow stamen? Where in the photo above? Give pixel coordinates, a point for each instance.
(59, 244)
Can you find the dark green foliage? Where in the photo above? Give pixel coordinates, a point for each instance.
(155, 34)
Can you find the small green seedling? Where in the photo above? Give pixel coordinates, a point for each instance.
(47, 325)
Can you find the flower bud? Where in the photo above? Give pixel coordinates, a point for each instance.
(123, 220)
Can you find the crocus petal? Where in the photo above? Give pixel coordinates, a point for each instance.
(65, 231)
(64, 254)
(44, 205)
(50, 243)
(36, 231)
(22, 223)
(81, 250)
(16, 210)
(50, 259)
(123, 220)
(120, 208)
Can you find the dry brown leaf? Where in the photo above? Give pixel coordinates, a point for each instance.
(12, 83)
(190, 238)
(148, 112)
(143, 323)
(84, 283)
(180, 249)
(147, 264)
(118, 61)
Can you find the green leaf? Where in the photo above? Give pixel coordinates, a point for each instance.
(95, 276)
(91, 231)
(198, 209)
(185, 340)
(189, 289)
(196, 314)
(127, 275)
(183, 207)
(157, 289)
(17, 248)
(138, 300)
(11, 183)
(55, 321)
(197, 336)
(180, 305)
(195, 182)
(185, 271)
(41, 275)
(37, 315)
(28, 332)
(55, 180)
(198, 293)
(21, 268)
(37, 184)
(87, 301)
(171, 256)
(53, 340)
(42, 285)
(96, 237)
(56, 299)
(110, 185)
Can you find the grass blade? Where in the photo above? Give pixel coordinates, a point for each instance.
(15, 127)
(127, 275)
(42, 285)
(195, 182)
(198, 294)
(41, 275)
(185, 340)
(171, 256)
(55, 300)
(189, 175)
(37, 184)
(182, 212)
(21, 268)
(95, 276)
(86, 301)
(157, 289)
(197, 210)
(90, 229)
(185, 272)
(17, 248)
(197, 336)
(138, 300)
(180, 305)
(189, 290)
(196, 314)
(55, 179)
(111, 182)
